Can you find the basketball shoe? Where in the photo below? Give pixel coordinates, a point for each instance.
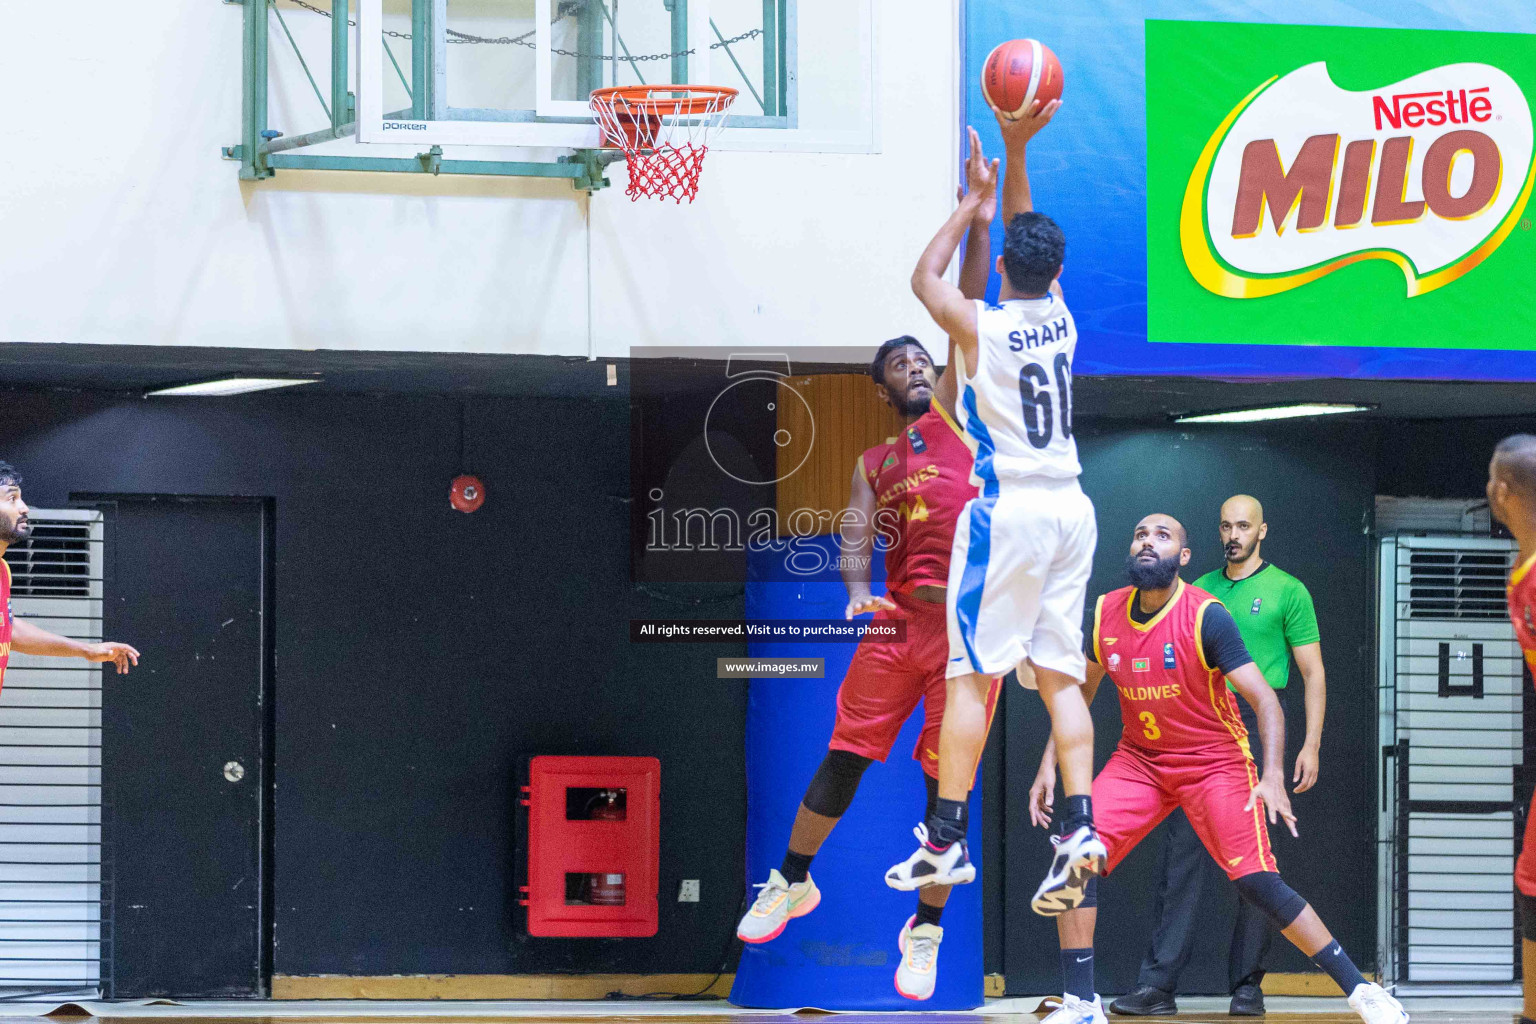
(918, 971)
(1074, 1010)
(931, 865)
(1375, 1006)
(777, 902)
(1079, 857)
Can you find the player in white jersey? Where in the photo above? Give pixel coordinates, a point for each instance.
(1023, 547)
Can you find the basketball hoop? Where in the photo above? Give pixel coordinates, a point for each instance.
(664, 131)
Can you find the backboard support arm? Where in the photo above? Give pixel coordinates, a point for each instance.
(429, 59)
(679, 10)
(253, 90)
(262, 151)
(343, 107)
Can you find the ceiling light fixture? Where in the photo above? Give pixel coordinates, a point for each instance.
(1273, 412)
(231, 386)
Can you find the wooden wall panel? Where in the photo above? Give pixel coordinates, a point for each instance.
(848, 418)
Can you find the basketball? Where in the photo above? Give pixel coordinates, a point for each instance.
(1019, 72)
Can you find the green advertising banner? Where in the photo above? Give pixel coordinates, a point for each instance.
(1353, 187)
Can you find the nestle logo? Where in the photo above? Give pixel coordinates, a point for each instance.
(404, 126)
(1310, 188)
(1416, 109)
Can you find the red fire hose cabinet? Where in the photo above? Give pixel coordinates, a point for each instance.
(594, 846)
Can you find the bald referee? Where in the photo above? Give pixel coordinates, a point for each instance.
(1275, 616)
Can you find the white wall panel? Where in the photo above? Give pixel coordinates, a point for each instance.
(125, 226)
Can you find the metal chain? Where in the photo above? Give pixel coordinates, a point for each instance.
(751, 33)
(523, 40)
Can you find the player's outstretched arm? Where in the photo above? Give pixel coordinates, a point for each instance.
(1016, 135)
(29, 639)
(950, 309)
(976, 264)
(948, 306)
(1252, 687)
(857, 545)
(947, 391)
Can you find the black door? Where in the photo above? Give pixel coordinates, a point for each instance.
(184, 745)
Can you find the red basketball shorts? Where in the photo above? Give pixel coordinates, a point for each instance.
(1138, 789)
(1525, 867)
(885, 682)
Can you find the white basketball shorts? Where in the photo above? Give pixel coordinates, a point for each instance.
(1018, 577)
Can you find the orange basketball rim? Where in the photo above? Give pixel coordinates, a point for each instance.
(664, 131)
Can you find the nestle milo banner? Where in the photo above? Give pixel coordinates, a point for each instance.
(1273, 199)
(1338, 186)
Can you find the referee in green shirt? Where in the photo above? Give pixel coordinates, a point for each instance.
(1274, 614)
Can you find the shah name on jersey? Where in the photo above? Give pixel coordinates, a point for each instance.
(1030, 337)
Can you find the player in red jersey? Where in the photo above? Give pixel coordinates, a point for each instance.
(1512, 500)
(910, 490)
(1167, 647)
(23, 637)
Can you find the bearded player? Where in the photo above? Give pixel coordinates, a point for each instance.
(1167, 647)
(1024, 546)
(910, 490)
(23, 637)
(1512, 500)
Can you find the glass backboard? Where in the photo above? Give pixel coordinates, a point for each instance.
(518, 72)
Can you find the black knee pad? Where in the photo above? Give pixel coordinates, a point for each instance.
(1273, 898)
(1527, 907)
(1090, 893)
(835, 782)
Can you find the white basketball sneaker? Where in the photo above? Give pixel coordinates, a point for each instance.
(1376, 1006)
(1074, 1010)
(777, 902)
(932, 866)
(918, 971)
(1079, 857)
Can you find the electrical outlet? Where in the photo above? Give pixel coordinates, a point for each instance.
(688, 892)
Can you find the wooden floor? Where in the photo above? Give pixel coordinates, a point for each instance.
(1004, 1013)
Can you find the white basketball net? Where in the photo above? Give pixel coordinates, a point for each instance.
(664, 131)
